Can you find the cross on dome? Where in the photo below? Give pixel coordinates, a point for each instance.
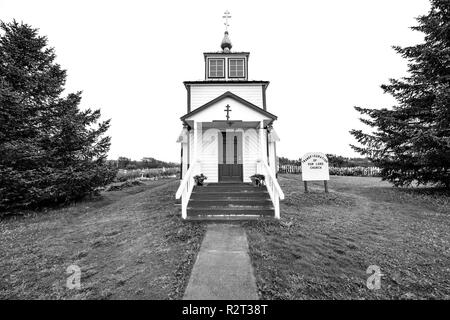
(226, 42)
(226, 16)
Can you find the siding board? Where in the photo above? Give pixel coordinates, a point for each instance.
(251, 153)
(209, 155)
(200, 95)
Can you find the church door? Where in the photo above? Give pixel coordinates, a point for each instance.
(230, 157)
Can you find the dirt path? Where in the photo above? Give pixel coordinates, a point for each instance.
(127, 246)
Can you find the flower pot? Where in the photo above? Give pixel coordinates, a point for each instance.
(199, 179)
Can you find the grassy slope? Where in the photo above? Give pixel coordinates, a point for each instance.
(323, 244)
(128, 244)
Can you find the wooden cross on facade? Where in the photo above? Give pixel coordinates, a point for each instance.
(228, 111)
(226, 16)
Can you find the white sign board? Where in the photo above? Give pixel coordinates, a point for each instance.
(315, 167)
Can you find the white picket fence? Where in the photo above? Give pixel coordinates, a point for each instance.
(345, 171)
(287, 168)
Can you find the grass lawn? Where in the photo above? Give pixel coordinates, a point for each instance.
(129, 244)
(132, 244)
(324, 243)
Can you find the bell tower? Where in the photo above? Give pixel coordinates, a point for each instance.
(226, 65)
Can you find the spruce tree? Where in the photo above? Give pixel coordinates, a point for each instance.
(50, 150)
(411, 141)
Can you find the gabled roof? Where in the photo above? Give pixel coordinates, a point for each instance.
(229, 94)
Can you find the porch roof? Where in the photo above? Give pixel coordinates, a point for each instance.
(231, 95)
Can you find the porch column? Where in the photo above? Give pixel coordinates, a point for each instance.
(184, 159)
(263, 145)
(194, 149)
(272, 157)
(183, 139)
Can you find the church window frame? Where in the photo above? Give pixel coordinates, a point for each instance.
(235, 69)
(213, 68)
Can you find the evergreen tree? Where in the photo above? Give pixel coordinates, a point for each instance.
(411, 141)
(50, 150)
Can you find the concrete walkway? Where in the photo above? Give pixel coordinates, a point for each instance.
(223, 270)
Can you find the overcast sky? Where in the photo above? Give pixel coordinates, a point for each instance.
(321, 57)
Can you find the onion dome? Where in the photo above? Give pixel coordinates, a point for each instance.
(226, 43)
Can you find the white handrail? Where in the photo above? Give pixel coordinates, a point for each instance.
(185, 189)
(184, 182)
(274, 189)
(274, 180)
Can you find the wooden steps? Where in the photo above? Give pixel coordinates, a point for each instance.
(229, 201)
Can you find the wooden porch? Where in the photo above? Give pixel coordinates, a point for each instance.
(229, 201)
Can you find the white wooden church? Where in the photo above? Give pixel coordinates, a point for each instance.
(228, 137)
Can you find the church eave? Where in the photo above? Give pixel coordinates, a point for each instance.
(227, 53)
(188, 83)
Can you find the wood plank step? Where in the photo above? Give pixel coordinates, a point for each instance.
(226, 202)
(227, 218)
(250, 189)
(228, 188)
(214, 184)
(228, 211)
(231, 207)
(232, 194)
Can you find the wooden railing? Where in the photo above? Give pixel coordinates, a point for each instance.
(275, 192)
(186, 186)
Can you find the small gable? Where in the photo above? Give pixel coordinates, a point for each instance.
(238, 109)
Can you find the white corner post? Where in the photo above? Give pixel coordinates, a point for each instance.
(262, 139)
(185, 158)
(272, 157)
(195, 146)
(187, 184)
(269, 171)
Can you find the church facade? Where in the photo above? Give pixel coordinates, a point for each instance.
(228, 136)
